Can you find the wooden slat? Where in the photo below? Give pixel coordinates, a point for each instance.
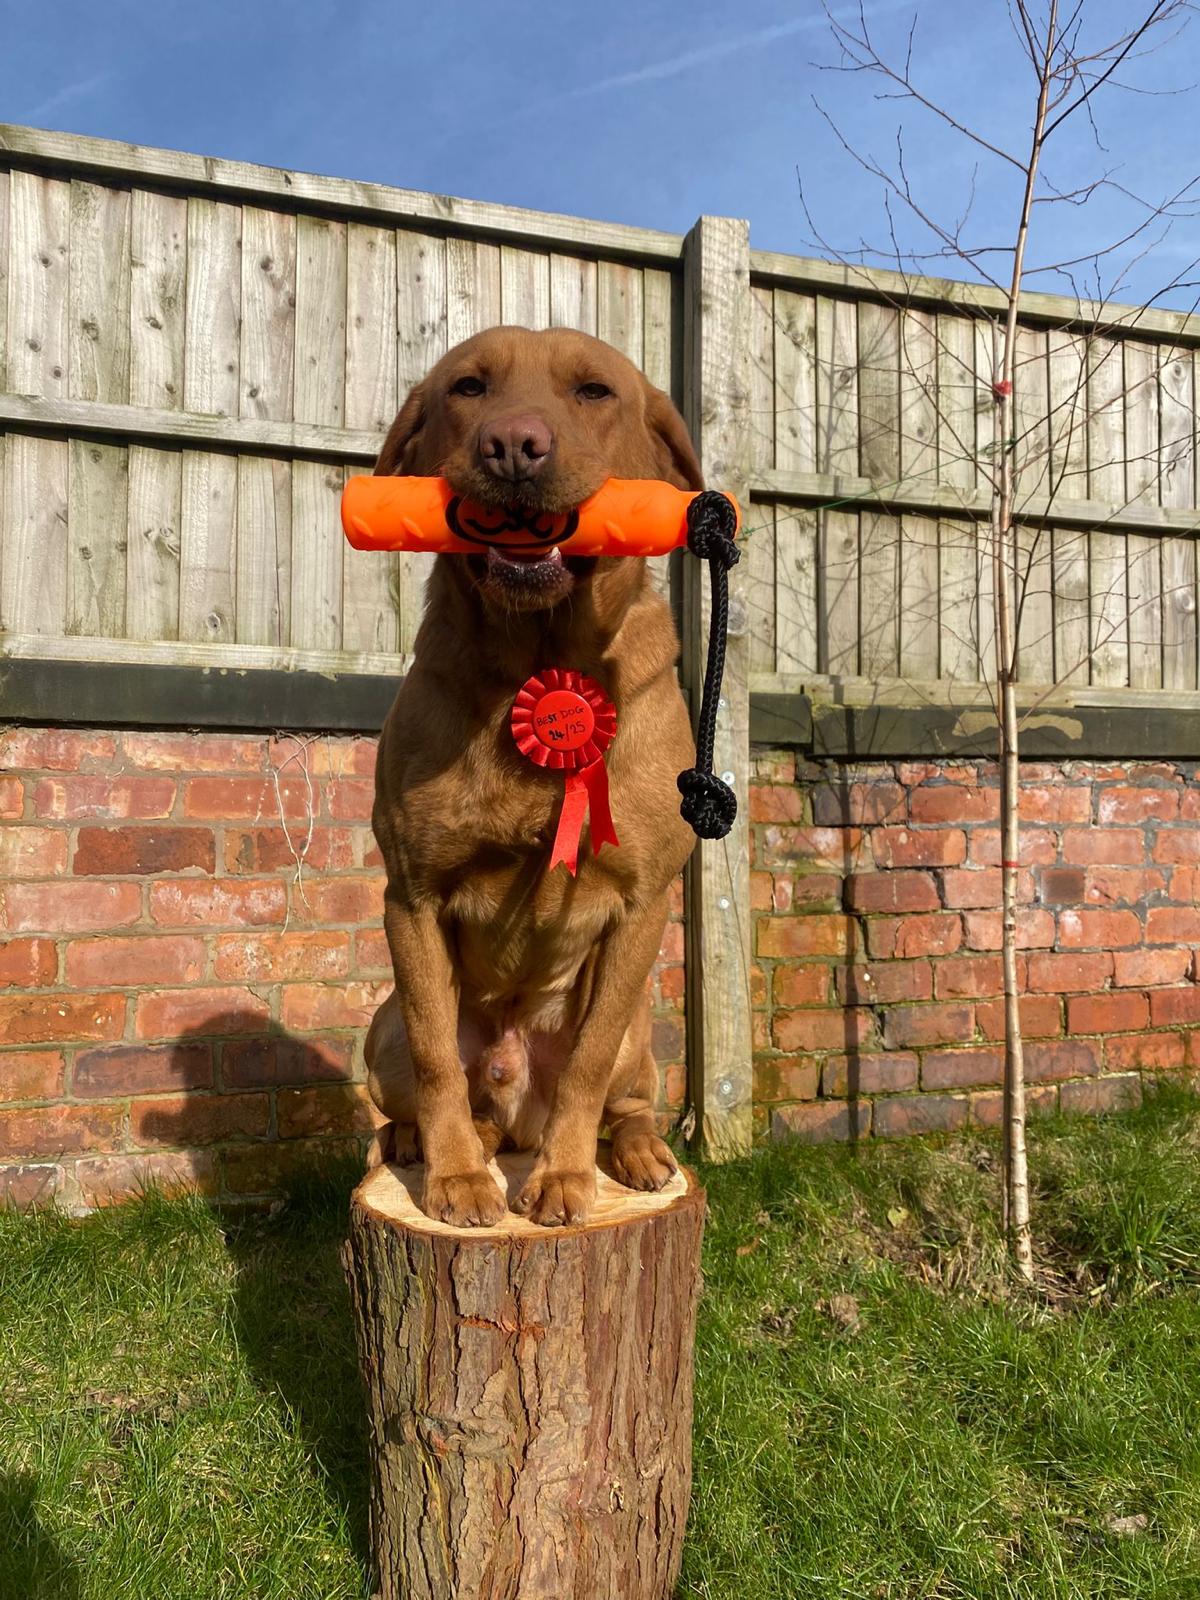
(838, 546)
(795, 359)
(1071, 595)
(208, 547)
(837, 386)
(1067, 418)
(759, 545)
(987, 371)
(763, 409)
(316, 620)
(473, 289)
(918, 358)
(619, 310)
(98, 523)
(158, 251)
(152, 584)
(957, 401)
(33, 579)
(1141, 422)
(426, 303)
(268, 314)
(659, 362)
(796, 628)
(1144, 559)
(572, 293)
(262, 595)
(1034, 611)
(879, 394)
(38, 285)
(524, 288)
(879, 589)
(1176, 487)
(4, 242)
(99, 274)
(1031, 389)
(918, 597)
(1106, 422)
(320, 379)
(718, 881)
(212, 317)
(1109, 610)
(958, 583)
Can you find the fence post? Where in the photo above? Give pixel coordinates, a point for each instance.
(716, 355)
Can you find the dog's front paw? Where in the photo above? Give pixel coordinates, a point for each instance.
(465, 1200)
(555, 1197)
(643, 1161)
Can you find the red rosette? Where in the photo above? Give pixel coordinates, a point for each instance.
(564, 722)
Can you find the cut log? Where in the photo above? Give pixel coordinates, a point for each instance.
(529, 1391)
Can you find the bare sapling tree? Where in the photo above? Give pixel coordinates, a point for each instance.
(1032, 457)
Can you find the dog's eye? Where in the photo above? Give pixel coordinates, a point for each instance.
(471, 388)
(593, 391)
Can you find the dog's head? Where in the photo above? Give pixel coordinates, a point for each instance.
(537, 422)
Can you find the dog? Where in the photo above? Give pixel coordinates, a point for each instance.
(521, 1012)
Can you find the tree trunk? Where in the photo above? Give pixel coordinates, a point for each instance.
(529, 1392)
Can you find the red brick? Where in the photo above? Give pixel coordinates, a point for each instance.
(248, 799)
(194, 752)
(58, 1130)
(250, 850)
(673, 1085)
(266, 1169)
(762, 896)
(1054, 1059)
(666, 1039)
(69, 799)
(897, 1116)
(808, 1031)
(1041, 1016)
(775, 803)
(1117, 885)
(859, 804)
(168, 1013)
(32, 1074)
(272, 957)
(1139, 805)
(1098, 930)
(330, 1108)
(1172, 925)
(816, 891)
(27, 963)
(671, 948)
(868, 1074)
(892, 891)
(973, 888)
(325, 758)
(264, 1063)
(1035, 929)
(835, 849)
(804, 936)
(1107, 1013)
(228, 903)
(29, 1184)
(351, 799)
(901, 847)
(987, 1107)
(341, 899)
(822, 1122)
(1104, 847)
(311, 1007)
(1178, 846)
(784, 1078)
(141, 1069)
(1145, 968)
(758, 986)
(1038, 847)
(802, 985)
(1056, 802)
(67, 907)
(1062, 886)
(110, 1180)
(773, 766)
(371, 959)
(961, 1069)
(904, 937)
(55, 750)
(1059, 974)
(185, 1119)
(1151, 1052)
(12, 798)
(117, 851)
(1189, 803)
(968, 977)
(948, 802)
(1095, 1095)
(883, 983)
(46, 1018)
(135, 961)
(1169, 1006)
(28, 852)
(1185, 885)
(927, 1024)
(760, 1030)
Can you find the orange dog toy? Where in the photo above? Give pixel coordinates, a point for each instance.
(625, 517)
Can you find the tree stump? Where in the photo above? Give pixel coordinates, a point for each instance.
(529, 1391)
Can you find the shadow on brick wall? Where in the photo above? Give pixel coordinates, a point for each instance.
(31, 1564)
(855, 1110)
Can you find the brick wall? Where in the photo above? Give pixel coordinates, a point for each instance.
(874, 890)
(190, 953)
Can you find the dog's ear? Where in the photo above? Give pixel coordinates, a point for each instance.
(677, 459)
(400, 446)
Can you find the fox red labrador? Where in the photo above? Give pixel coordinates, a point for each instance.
(521, 1011)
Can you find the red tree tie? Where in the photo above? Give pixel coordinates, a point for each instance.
(564, 722)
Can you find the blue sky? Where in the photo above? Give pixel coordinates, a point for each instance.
(648, 113)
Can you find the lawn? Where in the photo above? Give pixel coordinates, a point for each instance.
(878, 1414)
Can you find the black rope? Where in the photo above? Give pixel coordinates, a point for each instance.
(709, 804)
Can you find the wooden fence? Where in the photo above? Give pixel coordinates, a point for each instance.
(193, 354)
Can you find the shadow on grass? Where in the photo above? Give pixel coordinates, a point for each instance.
(31, 1564)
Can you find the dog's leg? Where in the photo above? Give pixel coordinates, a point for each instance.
(562, 1186)
(390, 1082)
(641, 1160)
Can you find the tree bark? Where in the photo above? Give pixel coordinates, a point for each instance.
(529, 1392)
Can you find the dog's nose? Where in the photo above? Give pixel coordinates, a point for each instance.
(515, 447)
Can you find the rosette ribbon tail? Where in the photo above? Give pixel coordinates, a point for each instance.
(585, 787)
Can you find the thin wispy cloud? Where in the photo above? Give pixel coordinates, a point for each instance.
(68, 95)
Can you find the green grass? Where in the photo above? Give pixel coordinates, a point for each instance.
(878, 1414)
